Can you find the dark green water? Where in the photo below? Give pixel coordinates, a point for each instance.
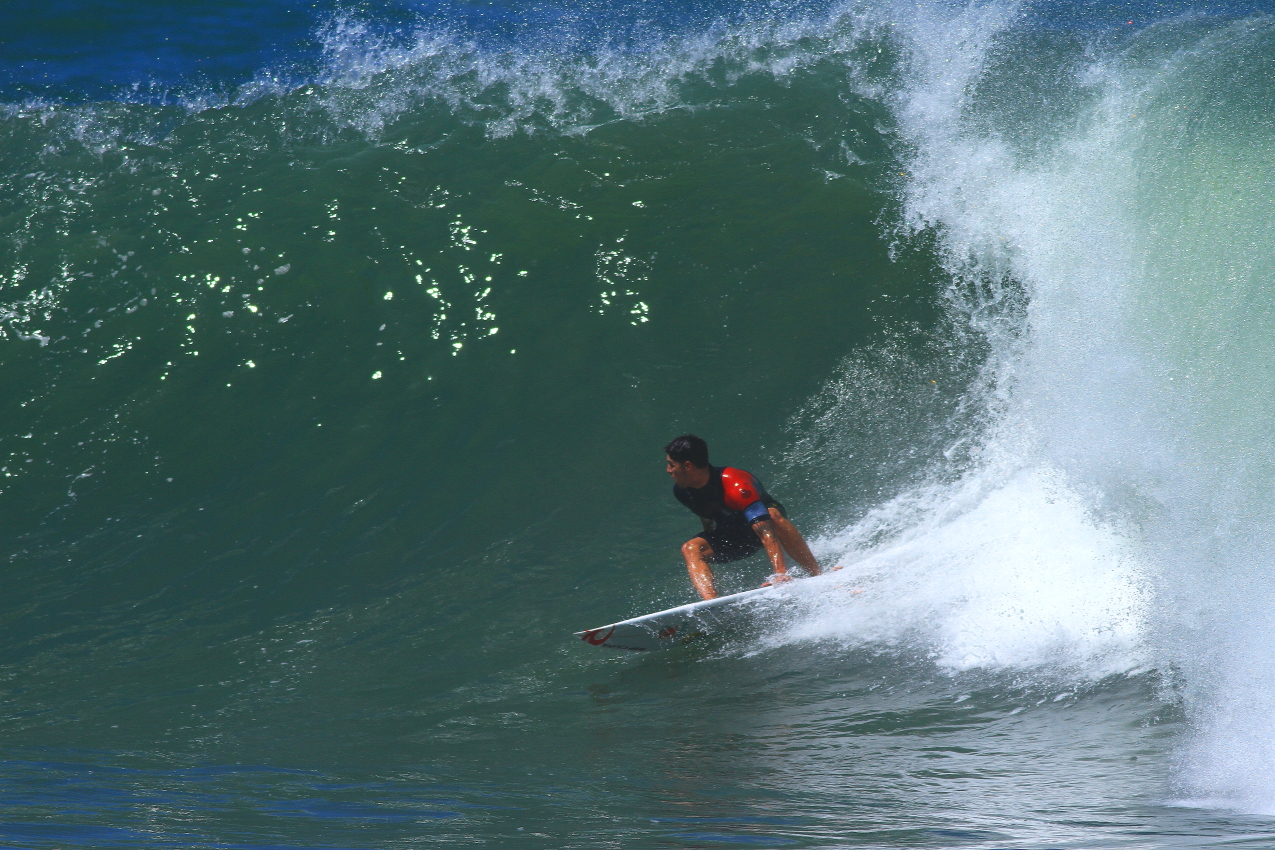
(331, 410)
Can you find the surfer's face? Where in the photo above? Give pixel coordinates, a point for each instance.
(682, 473)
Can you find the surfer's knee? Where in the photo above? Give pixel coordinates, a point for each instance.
(694, 548)
(781, 521)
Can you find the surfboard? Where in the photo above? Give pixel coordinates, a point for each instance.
(680, 625)
(676, 626)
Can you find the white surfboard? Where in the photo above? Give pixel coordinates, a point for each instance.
(675, 626)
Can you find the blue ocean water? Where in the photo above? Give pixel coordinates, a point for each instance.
(339, 342)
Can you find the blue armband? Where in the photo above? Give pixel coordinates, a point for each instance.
(756, 512)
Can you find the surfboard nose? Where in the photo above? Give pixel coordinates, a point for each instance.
(596, 637)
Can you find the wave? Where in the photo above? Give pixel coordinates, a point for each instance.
(370, 77)
(1099, 499)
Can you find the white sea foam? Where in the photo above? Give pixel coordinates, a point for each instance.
(1004, 571)
(1010, 564)
(1123, 514)
(371, 79)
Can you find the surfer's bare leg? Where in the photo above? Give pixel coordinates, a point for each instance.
(794, 544)
(696, 551)
(765, 531)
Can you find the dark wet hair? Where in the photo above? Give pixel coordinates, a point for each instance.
(688, 447)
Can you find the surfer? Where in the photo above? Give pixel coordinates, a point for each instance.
(739, 516)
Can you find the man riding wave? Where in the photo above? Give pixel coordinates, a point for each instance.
(738, 515)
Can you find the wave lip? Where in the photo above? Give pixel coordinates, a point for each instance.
(371, 78)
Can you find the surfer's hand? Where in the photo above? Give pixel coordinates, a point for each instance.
(777, 578)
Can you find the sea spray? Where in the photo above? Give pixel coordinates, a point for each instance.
(1139, 237)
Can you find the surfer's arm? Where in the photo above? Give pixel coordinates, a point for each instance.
(765, 529)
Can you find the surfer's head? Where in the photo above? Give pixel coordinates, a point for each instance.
(688, 448)
(686, 460)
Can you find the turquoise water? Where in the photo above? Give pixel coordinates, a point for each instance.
(339, 345)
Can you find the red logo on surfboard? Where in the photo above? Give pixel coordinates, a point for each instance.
(594, 640)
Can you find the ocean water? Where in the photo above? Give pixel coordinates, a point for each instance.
(338, 344)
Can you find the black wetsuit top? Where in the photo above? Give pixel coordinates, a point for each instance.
(709, 502)
(732, 536)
